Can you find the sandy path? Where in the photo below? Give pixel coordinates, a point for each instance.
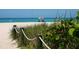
(5, 40)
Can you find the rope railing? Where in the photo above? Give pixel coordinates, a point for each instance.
(44, 43)
(16, 30)
(23, 34)
(33, 38)
(26, 36)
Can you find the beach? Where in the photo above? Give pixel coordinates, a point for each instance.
(5, 28)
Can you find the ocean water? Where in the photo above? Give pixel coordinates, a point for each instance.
(25, 20)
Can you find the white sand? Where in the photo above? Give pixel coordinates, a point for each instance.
(5, 39)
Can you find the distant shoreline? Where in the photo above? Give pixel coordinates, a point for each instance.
(9, 20)
(37, 18)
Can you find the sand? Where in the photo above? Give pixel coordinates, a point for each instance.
(5, 39)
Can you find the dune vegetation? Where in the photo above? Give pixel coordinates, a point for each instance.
(59, 35)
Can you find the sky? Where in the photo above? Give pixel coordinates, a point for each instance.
(30, 13)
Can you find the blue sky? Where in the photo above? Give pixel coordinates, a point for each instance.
(27, 13)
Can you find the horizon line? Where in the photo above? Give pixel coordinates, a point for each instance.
(38, 17)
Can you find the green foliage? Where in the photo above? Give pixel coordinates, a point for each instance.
(71, 30)
(60, 35)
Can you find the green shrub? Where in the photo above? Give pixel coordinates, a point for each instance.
(62, 35)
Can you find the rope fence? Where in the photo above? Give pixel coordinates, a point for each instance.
(44, 43)
(16, 30)
(33, 38)
(26, 36)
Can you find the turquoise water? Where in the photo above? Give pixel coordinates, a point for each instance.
(25, 20)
